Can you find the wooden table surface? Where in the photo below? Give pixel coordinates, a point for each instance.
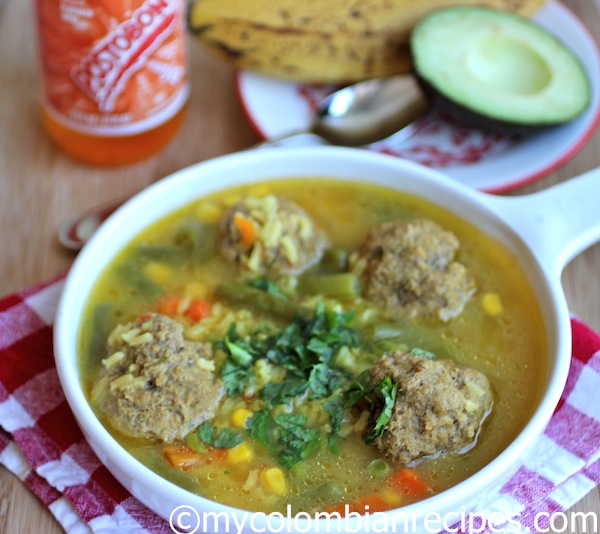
(40, 188)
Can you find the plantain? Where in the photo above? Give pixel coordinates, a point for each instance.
(306, 56)
(319, 41)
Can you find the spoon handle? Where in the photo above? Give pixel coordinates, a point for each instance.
(285, 137)
(76, 232)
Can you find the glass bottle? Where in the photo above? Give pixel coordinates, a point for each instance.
(113, 76)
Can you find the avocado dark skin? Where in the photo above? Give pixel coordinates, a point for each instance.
(491, 69)
(466, 117)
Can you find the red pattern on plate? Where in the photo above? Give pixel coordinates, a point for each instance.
(436, 141)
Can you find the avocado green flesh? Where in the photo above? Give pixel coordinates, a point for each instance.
(497, 69)
(507, 64)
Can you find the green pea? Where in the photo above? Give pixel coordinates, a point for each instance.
(378, 468)
(331, 490)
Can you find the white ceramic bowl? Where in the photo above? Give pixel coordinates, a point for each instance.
(545, 231)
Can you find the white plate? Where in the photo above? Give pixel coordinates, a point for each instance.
(487, 162)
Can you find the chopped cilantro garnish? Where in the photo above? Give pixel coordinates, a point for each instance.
(260, 427)
(236, 372)
(227, 438)
(381, 401)
(239, 354)
(324, 380)
(236, 378)
(281, 392)
(297, 441)
(336, 408)
(268, 286)
(286, 436)
(306, 348)
(387, 399)
(360, 388)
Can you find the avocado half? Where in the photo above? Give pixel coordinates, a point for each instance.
(497, 71)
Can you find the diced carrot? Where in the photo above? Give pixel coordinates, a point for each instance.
(144, 317)
(371, 504)
(409, 482)
(182, 456)
(168, 306)
(246, 228)
(198, 309)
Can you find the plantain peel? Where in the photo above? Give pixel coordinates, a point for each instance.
(319, 41)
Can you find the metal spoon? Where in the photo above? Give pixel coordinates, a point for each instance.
(355, 115)
(364, 112)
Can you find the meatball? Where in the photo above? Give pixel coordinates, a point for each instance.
(440, 405)
(159, 385)
(409, 265)
(270, 234)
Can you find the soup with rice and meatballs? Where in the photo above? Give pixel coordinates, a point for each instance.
(329, 345)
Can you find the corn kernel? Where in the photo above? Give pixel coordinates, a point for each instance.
(273, 480)
(230, 200)
(240, 453)
(259, 191)
(491, 304)
(196, 289)
(392, 498)
(209, 212)
(158, 272)
(239, 417)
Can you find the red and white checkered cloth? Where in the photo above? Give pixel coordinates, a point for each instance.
(43, 446)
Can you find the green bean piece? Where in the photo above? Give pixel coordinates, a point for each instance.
(136, 280)
(197, 238)
(378, 468)
(162, 253)
(249, 296)
(191, 234)
(341, 285)
(101, 326)
(335, 260)
(194, 442)
(332, 490)
(386, 337)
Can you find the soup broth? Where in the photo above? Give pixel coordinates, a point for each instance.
(175, 268)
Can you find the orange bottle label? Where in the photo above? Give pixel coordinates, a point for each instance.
(112, 67)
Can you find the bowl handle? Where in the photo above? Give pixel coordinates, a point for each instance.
(557, 223)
